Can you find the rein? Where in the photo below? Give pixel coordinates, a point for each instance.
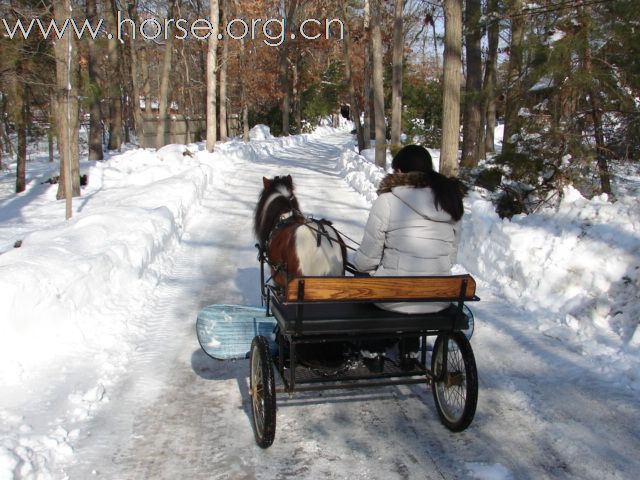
(323, 232)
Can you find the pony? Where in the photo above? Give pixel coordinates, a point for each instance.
(294, 245)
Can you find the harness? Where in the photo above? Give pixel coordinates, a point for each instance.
(294, 216)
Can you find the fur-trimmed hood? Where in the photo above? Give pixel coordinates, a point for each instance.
(411, 179)
(413, 190)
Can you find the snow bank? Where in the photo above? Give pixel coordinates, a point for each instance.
(59, 288)
(577, 269)
(259, 133)
(361, 173)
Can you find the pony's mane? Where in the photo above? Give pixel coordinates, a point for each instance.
(276, 199)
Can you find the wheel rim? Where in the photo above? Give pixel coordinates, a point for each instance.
(257, 391)
(452, 391)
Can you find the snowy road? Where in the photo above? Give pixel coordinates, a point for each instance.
(179, 414)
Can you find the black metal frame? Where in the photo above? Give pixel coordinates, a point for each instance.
(291, 316)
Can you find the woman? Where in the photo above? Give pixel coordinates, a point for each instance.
(414, 226)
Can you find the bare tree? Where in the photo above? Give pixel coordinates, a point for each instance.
(20, 112)
(451, 86)
(366, 87)
(223, 78)
(21, 109)
(66, 52)
(511, 124)
(1, 140)
(595, 103)
(354, 110)
(472, 125)
(115, 88)
(396, 82)
(146, 81)
(284, 69)
(378, 85)
(165, 83)
(243, 87)
(489, 86)
(214, 11)
(136, 73)
(296, 92)
(95, 115)
(430, 19)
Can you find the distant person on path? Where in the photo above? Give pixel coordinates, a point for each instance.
(413, 228)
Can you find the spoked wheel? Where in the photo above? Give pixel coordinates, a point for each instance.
(263, 392)
(456, 395)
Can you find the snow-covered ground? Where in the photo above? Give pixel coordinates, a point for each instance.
(101, 374)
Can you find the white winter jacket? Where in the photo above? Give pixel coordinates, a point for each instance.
(407, 235)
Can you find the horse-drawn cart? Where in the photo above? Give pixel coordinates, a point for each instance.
(340, 310)
(338, 314)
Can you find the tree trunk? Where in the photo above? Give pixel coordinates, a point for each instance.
(214, 11)
(595, 103)
(165, 83)
(435, 42)
(286, 97)
(223, 79)
(22, 120)
(95, 119)
(243, 89)
(50, 138)
(354, 111)
(451, 86)
(186, 84)
(378, 85)
(245, 120)
(396, 82)
(4, 119)
(3, 133)
(297, 103)
(472, 126)
(137, 68)
(146, 82)
(65, 52)
(366, 128)
(284, 71)
(490, 77)
(115, 92)
(1, 144)
(512, 89)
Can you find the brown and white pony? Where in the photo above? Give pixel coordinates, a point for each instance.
(295, 245)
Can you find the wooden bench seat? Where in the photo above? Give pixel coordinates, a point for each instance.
(345, 305)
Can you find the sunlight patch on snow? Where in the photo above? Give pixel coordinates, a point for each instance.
(485, 471)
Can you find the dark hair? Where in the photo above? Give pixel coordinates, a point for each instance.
(412, 158)
(448, 192)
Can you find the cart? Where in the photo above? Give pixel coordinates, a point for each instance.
(342, 310)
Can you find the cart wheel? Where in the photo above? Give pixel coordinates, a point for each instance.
(456, 396)
(263, 392)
